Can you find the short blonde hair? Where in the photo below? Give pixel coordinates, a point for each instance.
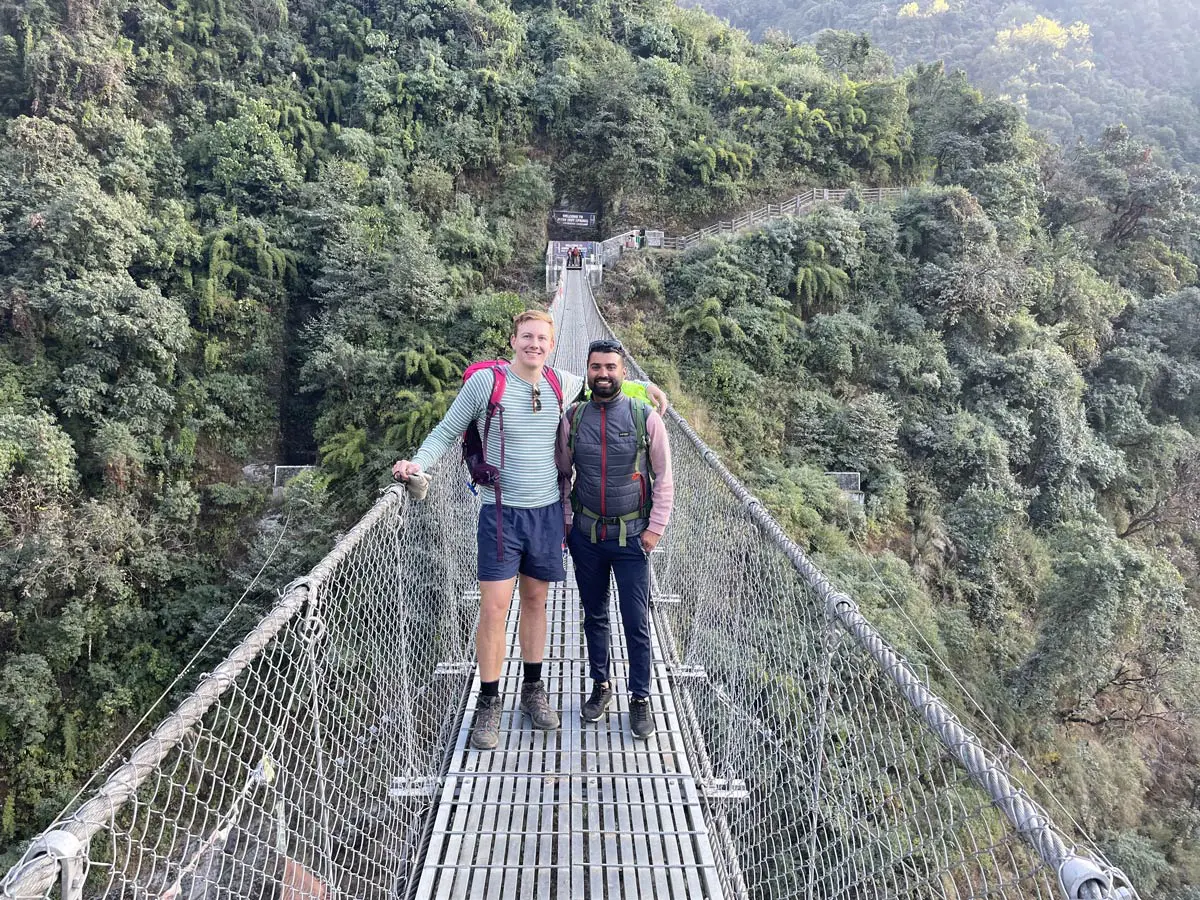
(533, 315)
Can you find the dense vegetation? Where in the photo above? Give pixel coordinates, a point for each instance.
(243, 232)
(1074, 66)
(1008, 357)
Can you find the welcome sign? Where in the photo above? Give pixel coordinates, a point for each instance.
(572, 219)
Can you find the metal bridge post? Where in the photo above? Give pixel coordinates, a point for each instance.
(1081, 879)
(53, 856)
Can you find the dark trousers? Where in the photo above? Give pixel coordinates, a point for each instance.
(593, 564)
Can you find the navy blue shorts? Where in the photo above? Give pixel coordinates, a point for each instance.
(533, 543)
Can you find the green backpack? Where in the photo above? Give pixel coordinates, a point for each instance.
(635, 392)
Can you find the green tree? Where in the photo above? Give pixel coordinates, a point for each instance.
(1122, 603)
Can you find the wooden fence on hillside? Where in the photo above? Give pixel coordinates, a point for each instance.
(611, 249)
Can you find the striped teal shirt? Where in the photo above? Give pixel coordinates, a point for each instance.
(529, 476)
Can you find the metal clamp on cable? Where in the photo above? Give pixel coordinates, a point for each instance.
(417, 485)
(840, 606)
(65, 851)
(296, 584)
(1082, 878)
(313, 627)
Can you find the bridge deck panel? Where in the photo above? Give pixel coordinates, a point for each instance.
(582, 812)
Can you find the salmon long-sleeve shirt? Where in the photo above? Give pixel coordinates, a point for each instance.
(662, 495)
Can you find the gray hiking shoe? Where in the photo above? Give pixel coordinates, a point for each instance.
(641, 721)
(536, 704)
(595, 705)
(485, 731)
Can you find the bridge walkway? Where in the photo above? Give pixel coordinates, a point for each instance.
(582, 812)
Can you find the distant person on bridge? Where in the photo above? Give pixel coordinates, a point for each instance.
(525, 536)
(616, 447)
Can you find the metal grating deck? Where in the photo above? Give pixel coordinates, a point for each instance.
(586, 812)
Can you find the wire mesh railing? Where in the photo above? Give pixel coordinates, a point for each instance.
(308, 763)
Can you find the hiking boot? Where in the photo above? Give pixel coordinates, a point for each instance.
(536, 705)
(641, 722)
(485, 731)
(595, 705)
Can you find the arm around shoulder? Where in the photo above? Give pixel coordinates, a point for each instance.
(662, 494)
(648, 392)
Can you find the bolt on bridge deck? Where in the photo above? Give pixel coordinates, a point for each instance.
(582, 812)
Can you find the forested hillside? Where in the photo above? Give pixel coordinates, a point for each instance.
(244, 232)
(1009, 358)
(1074, 66)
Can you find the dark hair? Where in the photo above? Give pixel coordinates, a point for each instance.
(606, 345)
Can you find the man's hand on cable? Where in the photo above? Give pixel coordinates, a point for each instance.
(661, 403)
(403, 469)
(416, 482)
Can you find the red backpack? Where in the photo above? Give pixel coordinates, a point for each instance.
(475, 446)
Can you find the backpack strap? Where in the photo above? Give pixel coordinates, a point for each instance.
(499, 380)
(641, 415)
(555, 385)
(576, 413)
(620, 521)
(494, 408)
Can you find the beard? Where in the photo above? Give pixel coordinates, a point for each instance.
(604, 388)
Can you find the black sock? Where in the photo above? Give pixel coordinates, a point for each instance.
(533, 672)
(489, 688)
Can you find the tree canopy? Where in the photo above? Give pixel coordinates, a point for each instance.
(1075, 67)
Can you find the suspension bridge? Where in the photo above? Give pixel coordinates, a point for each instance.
(797, 754)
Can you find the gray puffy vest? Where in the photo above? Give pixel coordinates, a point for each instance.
(611, 497)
